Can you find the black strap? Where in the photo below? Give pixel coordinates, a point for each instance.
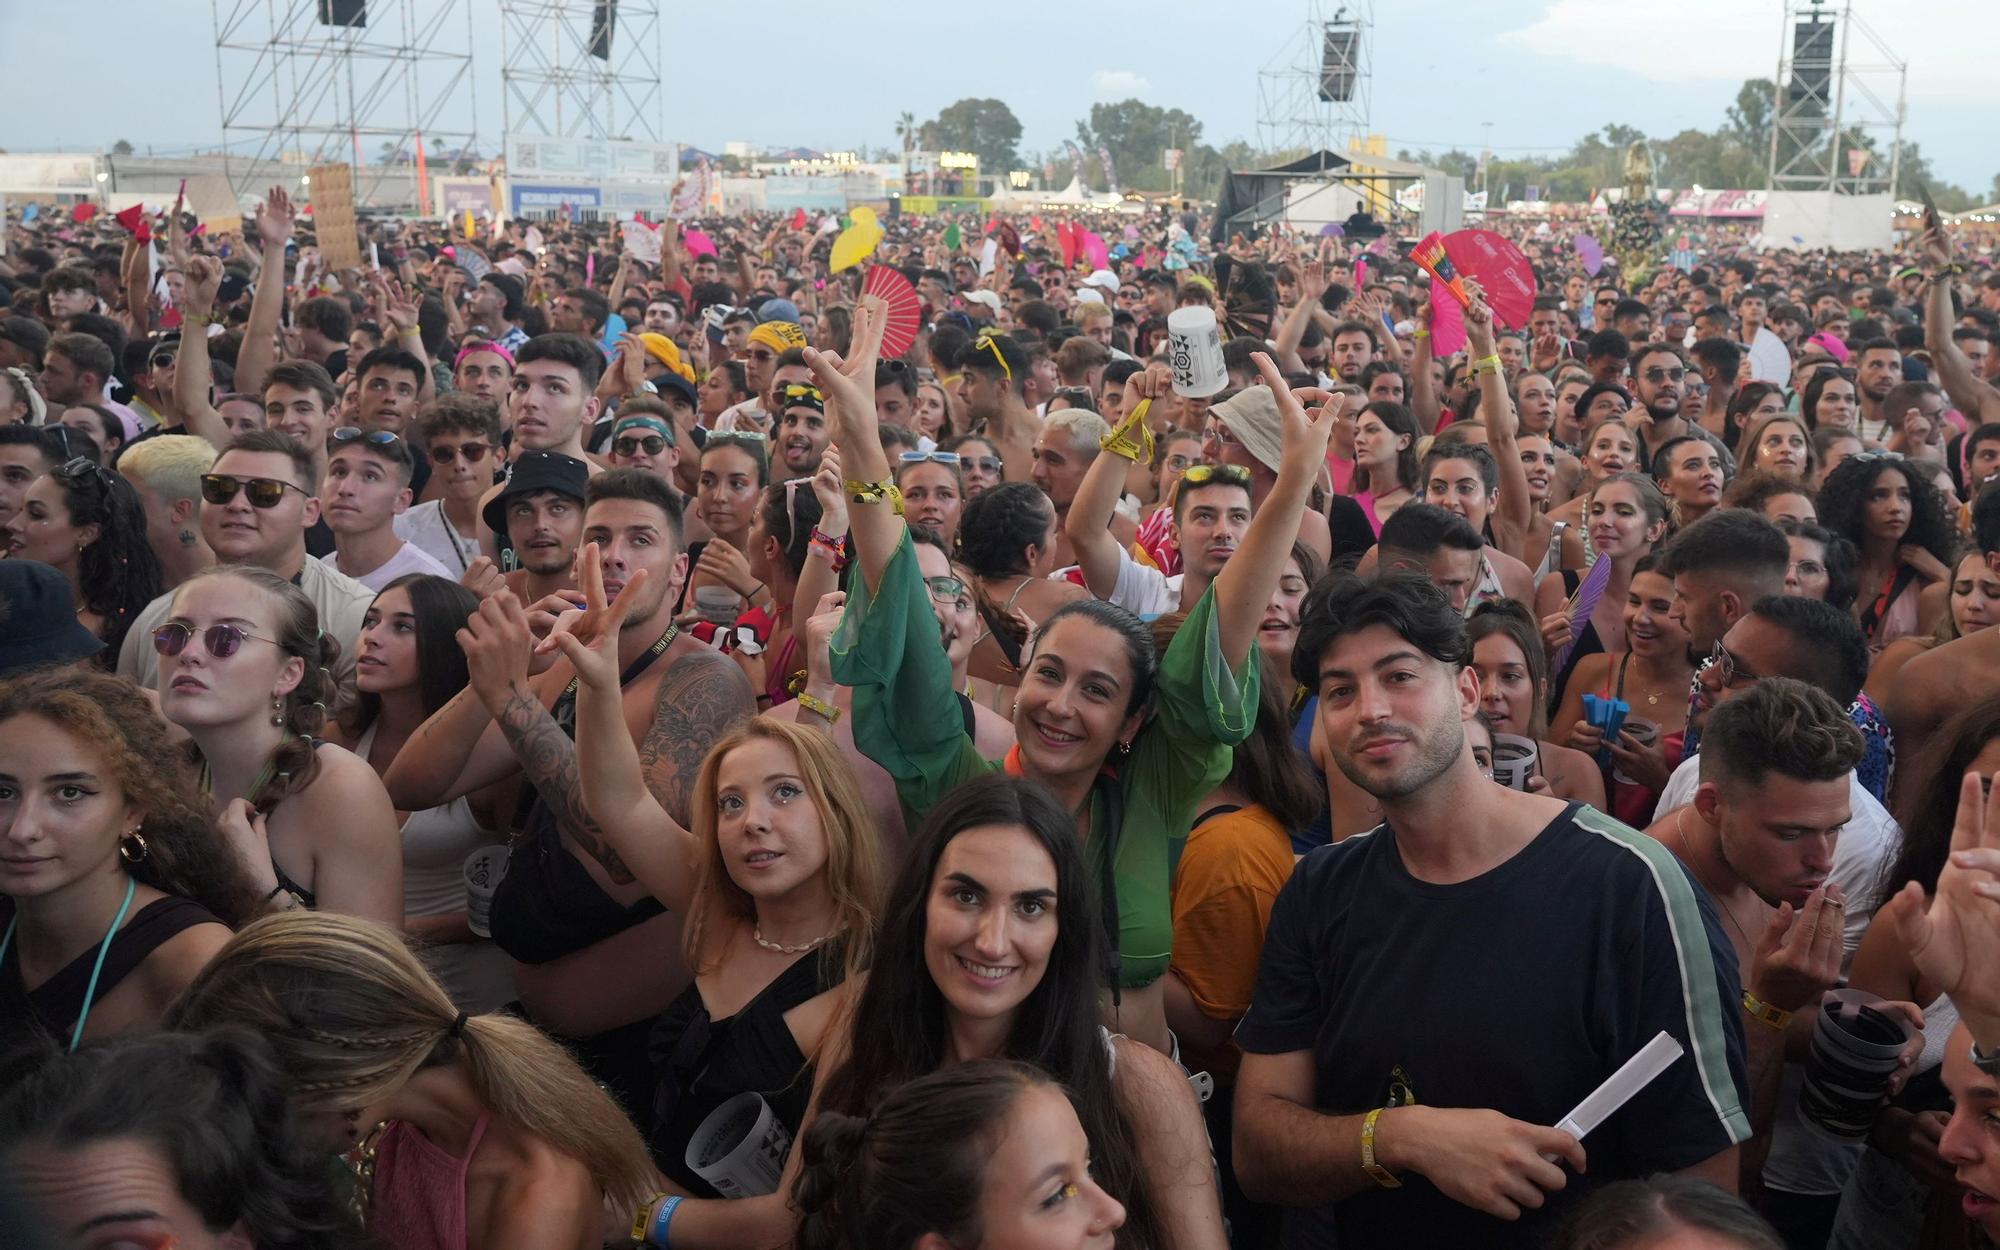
(1220, 809)
(1871, 616)
(1108, 794)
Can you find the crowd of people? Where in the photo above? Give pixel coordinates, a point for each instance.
(616, 755)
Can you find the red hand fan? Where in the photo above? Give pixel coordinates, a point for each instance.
(1502, 272)
(905, 308)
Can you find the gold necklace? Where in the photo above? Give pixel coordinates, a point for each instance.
(757, 936)
(1680, 828)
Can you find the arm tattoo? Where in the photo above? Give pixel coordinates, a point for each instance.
(701, 698)
(548, 759)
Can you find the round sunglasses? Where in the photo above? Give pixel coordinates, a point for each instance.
(222, 640)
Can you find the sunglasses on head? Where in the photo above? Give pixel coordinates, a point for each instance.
(1231, 474)
(632, 445)
(992, 344)
(222, 641)
(942, 457)
(355, 434)
(473, 453)
(264, 492)
(79, 469)
(804, 393)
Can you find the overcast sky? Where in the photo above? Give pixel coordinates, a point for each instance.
(84, 73)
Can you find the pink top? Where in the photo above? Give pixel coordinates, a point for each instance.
(419, 1200)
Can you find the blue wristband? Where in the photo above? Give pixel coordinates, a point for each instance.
(661, 1218)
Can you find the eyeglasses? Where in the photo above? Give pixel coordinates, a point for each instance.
(1220, 433)
(942, 457)
(222, 641)
(1229, 474)
(750, 439)
(1729, 670)
(161, 360)
(264, 492)
(473, 453)
(355, 434)
(949, 591)
(1665, 375)
(630, 445)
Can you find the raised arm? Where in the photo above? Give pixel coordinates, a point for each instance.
(134, 271)
(1971, 394)
(1514, 513)
(1244, 586)
(875, 528)
(1312, 285)
(274, 226)
(1423, 393)
(400, 309)
(1089, 523)
(191, 379)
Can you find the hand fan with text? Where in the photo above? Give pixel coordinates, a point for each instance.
(1504, 275)
(905, 309)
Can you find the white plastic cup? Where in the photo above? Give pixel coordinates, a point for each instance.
(1514, 759)
(484, 870)
(1648, 734)
(741, 1147)
(719, 604)
(1194, 349)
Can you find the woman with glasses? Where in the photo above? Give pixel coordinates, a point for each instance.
(246, 671)
(1127, 741)
(410, 665)
(87, 522)
(1822, 563)
(979, 463)
(1886, 506)
(933, 489)
(116, 887)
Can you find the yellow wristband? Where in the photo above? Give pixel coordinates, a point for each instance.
(875, 492)
(1119, 442)
(1484, 365)
(644, 1217)
(1776, 1017)
(1380, 1175)
(813, 703)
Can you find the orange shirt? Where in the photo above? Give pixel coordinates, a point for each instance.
(1229, 876)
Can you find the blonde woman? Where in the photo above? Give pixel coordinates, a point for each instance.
(470, 1131)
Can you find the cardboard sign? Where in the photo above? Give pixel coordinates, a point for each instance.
(214, 205)
(642, 242)
(333, 216)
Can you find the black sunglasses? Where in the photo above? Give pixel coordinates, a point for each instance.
(630, 445)
(473, 453)
(264, 492)
(222, 641)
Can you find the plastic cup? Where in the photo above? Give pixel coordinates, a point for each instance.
(1514, 760)
(1856, 1044)
(1648, 734)
(718, 604)
(1194, 349)
(741, 1147)
(484, 870)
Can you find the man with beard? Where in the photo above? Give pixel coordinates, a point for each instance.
(553, 403)
(803, 430)
(996, 373)
(1878, 368)
(1659, 376)
(595, 954)
(1353, 1105)
(1353, 348)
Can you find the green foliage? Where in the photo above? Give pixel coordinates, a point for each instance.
(1136, 134)
(985, 126)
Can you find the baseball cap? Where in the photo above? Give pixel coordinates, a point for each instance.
(535, 471)
(1103, 278)
(25, 333)
(987, 298)
(675, 384)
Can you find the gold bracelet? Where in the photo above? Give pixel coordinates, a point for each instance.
(813, 703)
(1776, 1017)
(1380, 1175)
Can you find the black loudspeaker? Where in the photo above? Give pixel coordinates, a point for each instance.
(1812, 63)
(343, 12)
(1337, 67)
(603, 16)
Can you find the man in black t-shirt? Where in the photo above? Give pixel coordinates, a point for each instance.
(1432, 993)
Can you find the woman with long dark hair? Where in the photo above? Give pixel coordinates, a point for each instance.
(87, 521)
(409, 665)
(116, 887)
(1387, 473)
(1886, 506)
(247, 672)
(197, 1124)
(1129, 742)
(988, 1153)
(1830, 401)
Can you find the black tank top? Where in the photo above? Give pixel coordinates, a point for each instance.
(51, 1009)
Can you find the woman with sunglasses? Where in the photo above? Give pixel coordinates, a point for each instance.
(115, 887)
(1129, 743)
(1886, 506)
(933, 489)
(87, 522)
(410, 665)
(979, 463)
(246, 671)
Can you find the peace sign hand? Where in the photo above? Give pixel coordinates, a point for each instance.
(589, 638)
(1306, 429)
(840, 378)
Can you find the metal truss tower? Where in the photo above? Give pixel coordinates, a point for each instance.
(1315, 93)
(297, 89)
(581, 69)
(1838, 112)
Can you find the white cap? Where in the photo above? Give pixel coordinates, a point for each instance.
(1103, 278)
(1089, 295)
(987, 298)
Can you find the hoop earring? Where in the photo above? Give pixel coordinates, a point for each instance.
(126, 844)
(278, 710)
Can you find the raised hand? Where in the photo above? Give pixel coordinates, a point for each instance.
(1798, 957)
(830, 489)
(848, 382)
(274, 218)
(588, 638)
(203, 280)
(818, 633)
(497, 642)
(1955, 939)
(1306, 430)
(398, 305)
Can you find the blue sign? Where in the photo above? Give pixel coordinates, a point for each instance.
(542, 198)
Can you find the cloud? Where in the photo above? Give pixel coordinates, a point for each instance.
(1119, 82)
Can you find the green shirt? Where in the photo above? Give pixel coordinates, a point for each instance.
(906, 718)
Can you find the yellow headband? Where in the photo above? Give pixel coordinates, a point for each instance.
(779, 336)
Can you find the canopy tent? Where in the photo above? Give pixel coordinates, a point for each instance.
(1255, 196)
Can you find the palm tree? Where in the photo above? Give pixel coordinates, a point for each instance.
(906, 130)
